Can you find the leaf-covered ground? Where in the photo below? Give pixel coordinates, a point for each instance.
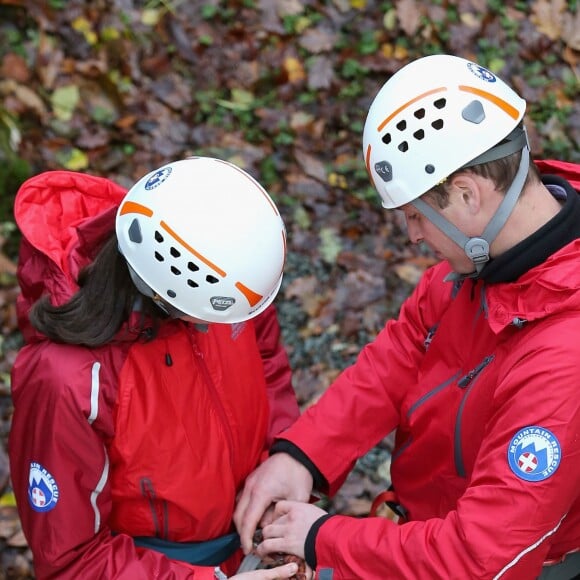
(280, 87)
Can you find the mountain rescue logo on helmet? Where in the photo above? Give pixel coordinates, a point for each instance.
(158, 178)
(481, 72)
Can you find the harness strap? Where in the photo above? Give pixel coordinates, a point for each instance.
(390, 498)
(567, 569)
(210, 553)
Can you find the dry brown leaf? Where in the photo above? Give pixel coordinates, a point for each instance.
(317, 40)
(410, 273)
(13, 66)
(289, 7)
(311, 165)
(571, 30)
(320, 73)
(18, 540)
(25, 95)
(548, 17)
(409, 16)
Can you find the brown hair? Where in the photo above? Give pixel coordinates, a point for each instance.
(501, 172)
(96, 312)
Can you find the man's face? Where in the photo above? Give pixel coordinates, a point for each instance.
(421, 230)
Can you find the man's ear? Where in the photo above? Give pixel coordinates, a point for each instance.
(468, 190)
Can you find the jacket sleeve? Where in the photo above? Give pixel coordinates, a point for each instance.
(284, 408)
(345, 417)
(503, 525)
(60, 471)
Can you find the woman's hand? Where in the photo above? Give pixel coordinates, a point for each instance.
(286, 571)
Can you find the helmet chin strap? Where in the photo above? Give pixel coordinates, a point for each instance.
(477, 248)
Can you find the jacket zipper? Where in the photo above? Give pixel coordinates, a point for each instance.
(466, 382)
(218, 404)
(158, 510)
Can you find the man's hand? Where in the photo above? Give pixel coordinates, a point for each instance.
(279, 477)
(288, 531)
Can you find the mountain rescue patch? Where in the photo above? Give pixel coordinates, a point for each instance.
(42, 489)
(534, 453)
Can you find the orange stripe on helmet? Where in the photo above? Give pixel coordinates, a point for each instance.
(207, 262)
(252, 297)
(408, 104)
(132, 207)
(505, 106)
(368, 164)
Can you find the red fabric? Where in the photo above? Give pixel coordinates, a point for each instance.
(565, 169)
(456, 412)
(131, 444)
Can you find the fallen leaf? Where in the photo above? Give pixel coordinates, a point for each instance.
(294, 69)
(547, 16)
(409, 16)
(64, 101)
(318, 40)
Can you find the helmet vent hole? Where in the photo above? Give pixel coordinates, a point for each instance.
(192, 284)
(211, 279)
(159, 257)
(437, 125)
(158, 237)
(175, 271)
(440, 103)
(171, 293)
(404, 146)
(175, 252)
(402, 125)
(419, 113)
(192, 267)
(420, 134)
(386, 138)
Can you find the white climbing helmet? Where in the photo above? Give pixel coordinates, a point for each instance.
(432, 117)
(203, 239)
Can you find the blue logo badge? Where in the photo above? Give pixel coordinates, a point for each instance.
(42, 489)
(158, 178)
(481, 72)
(534, 453)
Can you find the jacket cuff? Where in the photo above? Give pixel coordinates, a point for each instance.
(310, 542)
(284, 446)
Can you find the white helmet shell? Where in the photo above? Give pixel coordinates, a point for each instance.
(431, 118)
(205, 237)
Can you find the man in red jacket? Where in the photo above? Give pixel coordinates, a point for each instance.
(478, 375)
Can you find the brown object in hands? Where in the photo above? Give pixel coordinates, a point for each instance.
(281, 558)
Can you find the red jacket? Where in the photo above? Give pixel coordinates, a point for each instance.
(133, 438)
(482, 383)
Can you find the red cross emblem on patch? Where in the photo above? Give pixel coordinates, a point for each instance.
(38, 497)
(527, 462)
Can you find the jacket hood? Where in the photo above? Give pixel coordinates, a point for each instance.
(64, 218)
(549, 288)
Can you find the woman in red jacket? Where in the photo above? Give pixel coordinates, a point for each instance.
(153, 379)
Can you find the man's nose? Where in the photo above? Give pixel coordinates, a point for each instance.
(414, 232)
